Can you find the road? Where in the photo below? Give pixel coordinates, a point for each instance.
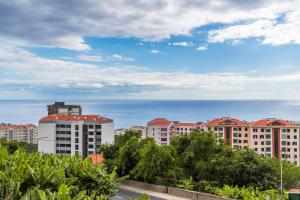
(127, 194)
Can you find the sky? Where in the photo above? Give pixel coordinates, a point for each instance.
(150, 49)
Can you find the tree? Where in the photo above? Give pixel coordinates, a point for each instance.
(156, 163)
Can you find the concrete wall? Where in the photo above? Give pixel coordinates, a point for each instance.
(174, 191)
(47, 138)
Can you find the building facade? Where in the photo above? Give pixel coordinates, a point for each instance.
(271, 137)
(276, 138)
(74, 134)
(233, 131)
(22, 133)
(162, 130)
(62, 108)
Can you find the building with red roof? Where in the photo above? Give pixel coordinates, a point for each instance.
(231, 130)
(19, 132)
(74, 134)
(162, 129)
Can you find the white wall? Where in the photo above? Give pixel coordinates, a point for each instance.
(107, 133)
(47, 137)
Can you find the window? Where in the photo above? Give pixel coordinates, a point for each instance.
(246, 135)
(98, 133)
(295, 137)
(283, 130)
(261, 136)
(255, 143)
(254, 136)
(262, 130)
(68, 132)
(90, 152)
(68, 145)
(235, 140)
(262, 149)
(91, 139)
(268, 149)
(268, 136)
(98, 140)
(294, 143)
(283, 142)
(240, 129)
(295, 150)
(295, 130)
(255, 149)
(268, 130)
(235, 134)
(91, 146)
(91, 133)
(240, 141)
(57, 125)
(164, 129)
(268, 142)
(91, 126)
(76, 140)
(98, 126)
(288, 137)
(246, 129)
(164, 139)
(288, 130)
(68, 126)
(76, 127)
(76, 147)
(262, 142)
(255, 130)
(240, 135)
(235, 129)
(76, 134)
(246, 141)
(220, 129)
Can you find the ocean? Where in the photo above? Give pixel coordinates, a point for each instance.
(126, 113)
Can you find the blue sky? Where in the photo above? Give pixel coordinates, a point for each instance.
(150, 49)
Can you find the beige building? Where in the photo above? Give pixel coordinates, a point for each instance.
(22, 133)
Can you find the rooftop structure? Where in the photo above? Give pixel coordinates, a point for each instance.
(62, 108)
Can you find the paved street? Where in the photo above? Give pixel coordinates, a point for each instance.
(128, 192)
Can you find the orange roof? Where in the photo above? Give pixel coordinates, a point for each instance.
(15, 126)
(226, 121)
(159, 122)
(62, 117)
(273, 122)
(96, 158)
(295, 190)
(186, 124)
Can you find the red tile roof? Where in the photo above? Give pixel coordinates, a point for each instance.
(272, 122)
(63, 117)
(159, 122)
(226, 121)
(15, 126)
(96, 158)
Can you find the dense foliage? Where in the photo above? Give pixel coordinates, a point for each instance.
(37, 176)
(12, 146)
(201, 162)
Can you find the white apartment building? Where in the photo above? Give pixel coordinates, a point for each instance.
(74, 134)
(21, 133)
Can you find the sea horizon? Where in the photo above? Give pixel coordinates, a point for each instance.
(130, 112)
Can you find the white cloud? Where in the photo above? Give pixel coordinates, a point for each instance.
(155, 51)
(31, 72)
(65, 24)
(182, 44)
(119, 57)
(202, 48)
(268, 31)
(91, 58)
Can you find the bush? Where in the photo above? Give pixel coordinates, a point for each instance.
(40, 176)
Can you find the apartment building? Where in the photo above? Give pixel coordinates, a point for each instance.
(234, 131)
(276, 138)
(62, 108)
(74, 134)
(162, 130)
(21, 133)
